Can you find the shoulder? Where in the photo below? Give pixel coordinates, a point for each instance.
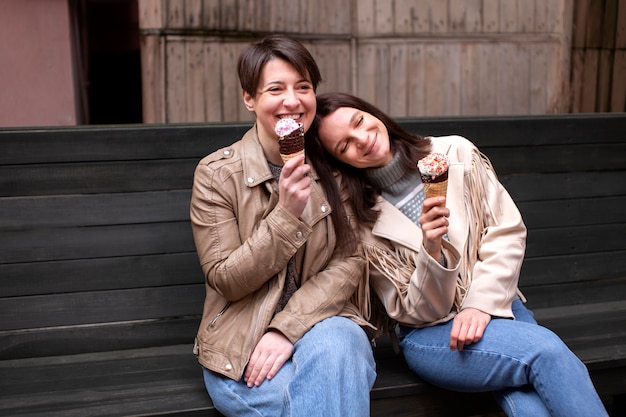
(221, 164)
(457, 148)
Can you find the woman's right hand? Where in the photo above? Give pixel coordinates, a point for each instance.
(294, 186)
(434, 222)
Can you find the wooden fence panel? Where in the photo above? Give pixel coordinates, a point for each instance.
(411, 58)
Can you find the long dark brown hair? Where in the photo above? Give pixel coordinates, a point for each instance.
(411, 147)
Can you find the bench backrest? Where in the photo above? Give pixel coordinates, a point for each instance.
(96, 251)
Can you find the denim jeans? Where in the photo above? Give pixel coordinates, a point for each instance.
(331, 373)
(530, 370)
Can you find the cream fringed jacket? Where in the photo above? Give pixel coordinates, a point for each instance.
(487, 240)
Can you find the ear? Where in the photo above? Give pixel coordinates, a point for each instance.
(248, 100)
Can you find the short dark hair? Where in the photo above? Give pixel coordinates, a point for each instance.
(254, 57)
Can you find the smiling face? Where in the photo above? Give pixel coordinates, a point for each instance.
(355, 138)
(282, 92)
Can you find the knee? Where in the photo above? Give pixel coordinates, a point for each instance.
(555, 350)
(338, 337)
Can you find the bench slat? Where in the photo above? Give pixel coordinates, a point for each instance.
(112, 306)
(18, 213)
(96, 274)
(95, 242)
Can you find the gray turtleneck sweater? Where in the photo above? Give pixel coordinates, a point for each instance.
(402, 188)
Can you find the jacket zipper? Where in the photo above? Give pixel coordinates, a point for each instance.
(220, 314)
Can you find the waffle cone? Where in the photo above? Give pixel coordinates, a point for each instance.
(435, 189)
(287, 157)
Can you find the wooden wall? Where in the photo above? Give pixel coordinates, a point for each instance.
(599, 56)
(410, 57)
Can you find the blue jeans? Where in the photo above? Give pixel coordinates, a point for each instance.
(331, 373)
(529, 368)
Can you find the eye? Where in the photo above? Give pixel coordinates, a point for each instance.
(359, 121)
(305, 87)
(344, 148)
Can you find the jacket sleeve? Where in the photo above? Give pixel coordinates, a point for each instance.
(414, 288)
(500, 247)
(236, 265)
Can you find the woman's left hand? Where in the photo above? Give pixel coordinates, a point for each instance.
(468, 327)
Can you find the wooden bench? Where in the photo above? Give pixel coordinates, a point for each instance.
(101, 290)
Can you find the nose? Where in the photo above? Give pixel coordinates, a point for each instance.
(360, 137)
(290, 99)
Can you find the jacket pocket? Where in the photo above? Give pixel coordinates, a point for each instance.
(217, 316)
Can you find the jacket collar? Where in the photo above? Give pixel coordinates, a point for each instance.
(393, 225)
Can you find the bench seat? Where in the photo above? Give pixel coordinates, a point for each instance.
(101, 291)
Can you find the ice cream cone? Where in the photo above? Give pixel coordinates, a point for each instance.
(435, 189)
(434, 173)
(290, 142)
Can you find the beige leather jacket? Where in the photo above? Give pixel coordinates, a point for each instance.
(487, 240)
(244, 239)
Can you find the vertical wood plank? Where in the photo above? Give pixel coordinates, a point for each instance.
(435, 80)
(152, 80)
(470, 82)
(593, 34)
(605, 68)
(488, 70)
(175, 14)
(451, 87)
(609, 24)
(398, 80)
(193, 13)
(381, 78)
(233, 108)
(367, 72)
(228, 14)
(421, 20)
(364, 17)
(618, 93)
(590, 80)
(292, 16)
(464, 16)
(403, 16)
(578, 74)
(520, 78)
(557, 16)
(557, 93)
(194, 81)
(581, 11)
(526, 16)
(175, 82)
(416, 80)
(246, 15)
(336, 67)
(620, 36)
(538, 78)
(151, 14)
(508, 16)
(211, 14)
(384, 17)
(212, 82)
(439, 16)
(491, 16)
(505, 79)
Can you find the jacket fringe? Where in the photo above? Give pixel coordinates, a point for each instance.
(398, 266)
